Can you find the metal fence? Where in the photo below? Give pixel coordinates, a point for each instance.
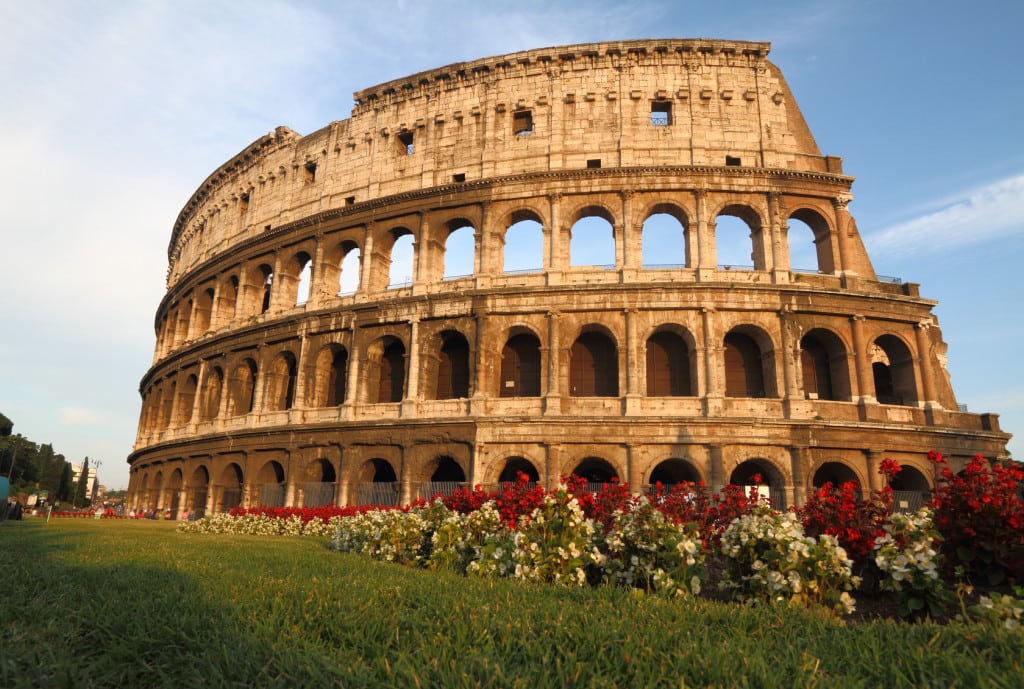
(318, 494)
(272, 494)
(433, 489)
(199, 503)
(378, 493)
(909, 500)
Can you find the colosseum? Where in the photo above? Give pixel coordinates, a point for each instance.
(517, 264)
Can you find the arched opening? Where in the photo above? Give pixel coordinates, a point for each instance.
(167, 407)
(524, 244)
(230, 483)
(330, 377)
(738, 242)
(763, 475)
(893, 369)
(199, 487)
(400, 271)
(174, 491)
(663, 240)
(212, 390)
(668, 366)
(518, 465)
(824, 366)
(744, 368)
(186, 400)
(459, 251)
(452, 367)
(810, 243)
(836, 474)
(319, 490)
(378, 483)
(348, 278)
(266, 282)
(203, 311)
(228, 300)
(910, 490)
(270, 480)
(446, 477)
(672, 472)
(386, 369)
(520, 366)
(596, 471)
(281, 383)
(592, 240)
(241, 388)
(593, 366)
(304, 264)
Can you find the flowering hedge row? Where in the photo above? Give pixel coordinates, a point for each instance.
(816, 555)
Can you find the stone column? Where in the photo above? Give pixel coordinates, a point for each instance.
(367, 286)
(799, 469)
(352, 381)
(865, 379)
(425, 252)
(778, 235)
(713, 388)
(199, 397)
(301, 396)
(553, 396)
(717, 462)
(924, 359)
(707, 258)
(791, 391)
(632, 236)
(632, 377)
(412, 388)
(318, 292)
(842, 222)
(874, 460)
(557, 241)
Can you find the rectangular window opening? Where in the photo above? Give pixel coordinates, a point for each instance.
(661, 113)
(310, 175)
(243, 203)
(522, 123)
(459, 177)
(405, 143)
(732, 161)
(595, 163)
(349, 200)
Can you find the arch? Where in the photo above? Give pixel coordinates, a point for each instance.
(174, 486)
(280, 384)
(167, 406)
(319, 490)
(518, 465)
(186, 400)
(213, 387)
(835, 473)
(763, 474)
(668, 366)
(524, 243)
(401, 258)
(229, 483)
(452, 379)
(892, 366)
(262, 281)
(910, 479)
(592, 239)
(330, 377)
(732, 248)
(459, 249)
(378, 483)
(270, 484)
(350, 268)
(673, 471)
(241, 388)
(596, 471)
(203, 311)
(824, 366)
(520, 366)
(385, 361)
(810, 242)
(294, 282)
(593, 366)
(747, 370)
(446, 469)
(227, 298)
(664, 241)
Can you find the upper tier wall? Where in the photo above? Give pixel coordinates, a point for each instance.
(716, 102)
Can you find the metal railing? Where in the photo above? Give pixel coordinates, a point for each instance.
(890, 279)
(272, 494)
(909, 501)
(317, 494)
(429, 490)
(379, 493)
(733, 266)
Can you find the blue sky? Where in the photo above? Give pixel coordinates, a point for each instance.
(114, 112)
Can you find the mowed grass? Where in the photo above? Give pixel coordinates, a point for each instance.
(135, 604)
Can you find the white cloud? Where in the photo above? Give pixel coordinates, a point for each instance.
(77, 416)
(974, 217)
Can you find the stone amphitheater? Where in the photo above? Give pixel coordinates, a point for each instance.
(405, 301)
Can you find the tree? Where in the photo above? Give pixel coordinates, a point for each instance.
(81, 494)
(65, 487)
(5, 426)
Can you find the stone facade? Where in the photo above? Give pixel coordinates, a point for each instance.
(293, 366)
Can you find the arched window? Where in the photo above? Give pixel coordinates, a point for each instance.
(348, 280)
(230, 484)
(664, 242)
(668, 366)
(594, 366)
(186, 401)
(330, 377)
(592, 240)
(228, 299)
(305, 277)
(453, 367)
(738, 241)
(893, 368)
(674, 471)
(447, 470)
(596, 471)
(378, 483)
(400, 273)
(768, 480)
(388, 360)
(267, 285)
(520, 367)
(518, 465)
(203, 311)
(281, 383)
(459, 250)
(241, 388)
(524, 244)
(834, 473)
(824, 366)
(810, 243)
(744, 375)
(212, 390)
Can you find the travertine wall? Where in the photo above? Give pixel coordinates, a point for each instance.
(264, 390)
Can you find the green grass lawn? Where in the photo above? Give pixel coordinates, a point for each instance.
(88, 603)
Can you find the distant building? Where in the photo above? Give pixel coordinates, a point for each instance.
(90, 482)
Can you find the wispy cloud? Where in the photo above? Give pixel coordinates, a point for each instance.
(77, 416)
(974, 217)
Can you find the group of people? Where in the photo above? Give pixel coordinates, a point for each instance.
(10, 509)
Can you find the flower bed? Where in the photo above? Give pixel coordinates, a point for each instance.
(819, 555)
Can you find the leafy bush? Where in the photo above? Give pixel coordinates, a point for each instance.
(908, 557)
